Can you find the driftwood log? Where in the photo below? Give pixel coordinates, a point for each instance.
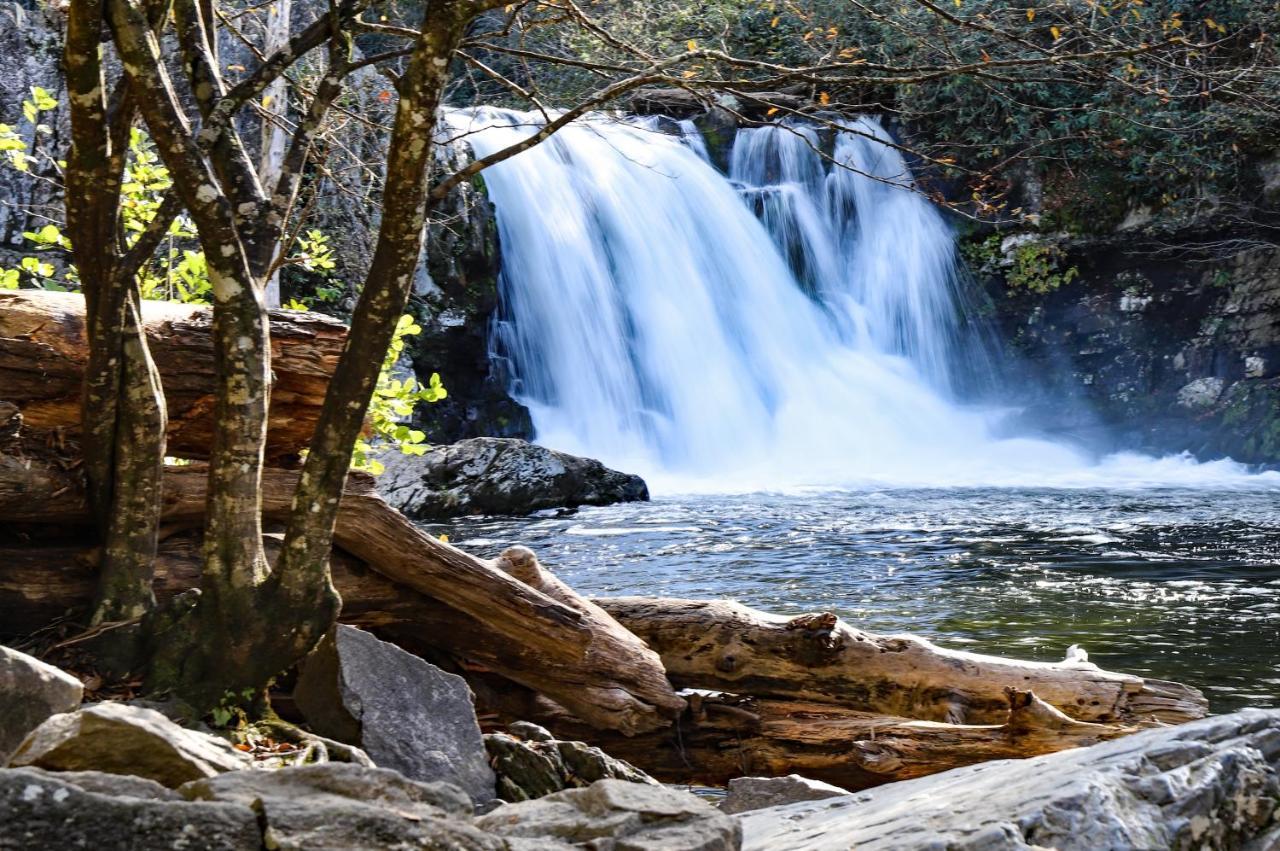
(572, 653)
(728, 647)
(716, 738)
(43, 353)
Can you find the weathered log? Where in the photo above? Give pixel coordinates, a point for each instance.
(571, 652)
(43, 353)
(718, 737)
(729, 647)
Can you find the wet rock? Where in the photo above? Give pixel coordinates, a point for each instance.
(617, 815)
(1201, 394)
(404, 712)
(119, 739)
(534, 765)
(1211, 784)
(114, 813)
(31, 691)
(501, 476)
(756, 793)
(343, 806)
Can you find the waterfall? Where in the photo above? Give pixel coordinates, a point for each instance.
(793, 323)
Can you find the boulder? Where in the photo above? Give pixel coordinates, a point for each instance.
(1208, 784)
(617, 815)
(114, 813)
(342, 806)
(120, 739)
(404, 712)
(491, 475)
(756, 793)
(31, 691)
(533, 764)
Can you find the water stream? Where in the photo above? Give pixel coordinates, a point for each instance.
(779, 351)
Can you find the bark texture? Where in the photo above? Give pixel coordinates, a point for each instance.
(44, 352)
(729, 647)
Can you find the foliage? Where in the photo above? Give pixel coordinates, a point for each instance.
(392, 403)
(1030, 264)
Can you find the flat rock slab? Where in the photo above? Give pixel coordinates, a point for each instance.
(120, 739)
(31, 691)
(1208, 784)
(757, 793)
(494, 475)
(342, 806)
(85, 810)
(615, 815)
(404, 712)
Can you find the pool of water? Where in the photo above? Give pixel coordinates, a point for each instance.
(1178, 584)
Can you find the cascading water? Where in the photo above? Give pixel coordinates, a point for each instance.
(793, 324)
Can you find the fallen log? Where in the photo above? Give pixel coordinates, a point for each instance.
(43, 351)
(725, 646)
(716, 738)
(584, 661)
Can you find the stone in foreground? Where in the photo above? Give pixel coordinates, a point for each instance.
(114, 813)
(31, 691)
(532, 764)
(404, 712)
(1208, 784)
(491, 475)
(617, 815)
(756, 793)
(343, 806)
(120, 739)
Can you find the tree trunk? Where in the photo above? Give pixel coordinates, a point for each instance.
(276, 106)
(726, 646)
(44, 351)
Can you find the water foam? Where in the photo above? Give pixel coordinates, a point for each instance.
(792, 325)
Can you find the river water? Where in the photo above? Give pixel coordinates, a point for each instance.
(1175, 583)
(735, 331)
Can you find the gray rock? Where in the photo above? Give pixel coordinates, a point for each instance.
(119, 739)
(83, 810)
(343, 806)
(756, 793)
(31, 691)
(531, 766)
(1210, 784)
(618, 815)
(489, 475)
(404, 712)
(1201, 394)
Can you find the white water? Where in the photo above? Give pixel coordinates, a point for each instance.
(654, 321)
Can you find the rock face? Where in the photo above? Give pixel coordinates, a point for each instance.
(31, 691)
(635, 817)
(533, 764)
(456, 303)
(1209, 784)
(756, 793)
(120, 739)
(500, 476)
(1154, 353)
(404, 712)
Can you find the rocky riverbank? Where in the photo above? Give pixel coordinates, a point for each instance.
(118, 775)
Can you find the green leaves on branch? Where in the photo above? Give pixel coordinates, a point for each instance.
(394, 400)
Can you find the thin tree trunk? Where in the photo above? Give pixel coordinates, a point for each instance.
(302, 567)
(276, 99)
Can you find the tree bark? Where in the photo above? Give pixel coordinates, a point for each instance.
(726, 646)
(44, 351)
